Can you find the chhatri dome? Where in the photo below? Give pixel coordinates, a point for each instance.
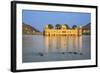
(63, 26)
(46, 26)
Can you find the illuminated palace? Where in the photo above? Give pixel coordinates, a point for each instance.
(64, 31)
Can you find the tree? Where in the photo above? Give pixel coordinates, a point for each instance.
(74, 26)
(58, 26)
(50, 26)
(67, 26)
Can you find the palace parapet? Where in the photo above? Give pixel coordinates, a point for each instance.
(63, 31)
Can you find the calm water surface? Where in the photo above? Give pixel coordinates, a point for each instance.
(39, 48)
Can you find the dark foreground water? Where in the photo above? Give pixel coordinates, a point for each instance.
(39, 48)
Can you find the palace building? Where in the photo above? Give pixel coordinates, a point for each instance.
(62, 32)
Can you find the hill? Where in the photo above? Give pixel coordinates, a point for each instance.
(87, 26)
(87, 29)
(28, 29)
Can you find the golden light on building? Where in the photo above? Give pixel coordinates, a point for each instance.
(63, 31)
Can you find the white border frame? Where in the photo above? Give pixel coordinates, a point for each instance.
(35, 65)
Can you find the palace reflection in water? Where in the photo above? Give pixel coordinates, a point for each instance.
(63, 43)
(38, 48)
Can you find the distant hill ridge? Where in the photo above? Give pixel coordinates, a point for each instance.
(28, 29)
(87, 26)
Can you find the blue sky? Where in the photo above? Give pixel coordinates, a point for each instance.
(39, 19)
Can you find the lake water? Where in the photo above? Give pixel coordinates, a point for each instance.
(39, 48)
